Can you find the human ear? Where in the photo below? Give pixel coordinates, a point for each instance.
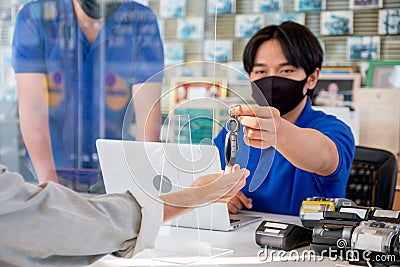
(313, 79)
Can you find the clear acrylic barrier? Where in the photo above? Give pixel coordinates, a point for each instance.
(174, 248)
(186, 250)
(197, 110)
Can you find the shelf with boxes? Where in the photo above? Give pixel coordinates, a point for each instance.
(351, 32)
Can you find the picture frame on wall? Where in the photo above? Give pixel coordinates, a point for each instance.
(174, 53)
(189, 88)
(363, 47)
(309, 5)
(6, 15)
(389, 21)
(339, 69)
(336, 22)
(189, 70)
(172, 8)
(247, 25)
(190, 28)
(262, 6)
(236, 74)
(278, 18)
(336, 90)
(221, 6)
(5, 56)
(383, 74)
(365, 4)
(217, 50)
(6, 34)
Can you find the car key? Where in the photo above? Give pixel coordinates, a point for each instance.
(231, 140)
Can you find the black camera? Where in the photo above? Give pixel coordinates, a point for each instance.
(334, 232)
(376, 242)
(361, 234)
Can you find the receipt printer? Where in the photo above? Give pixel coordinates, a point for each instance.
(312, 209)
(284, 236)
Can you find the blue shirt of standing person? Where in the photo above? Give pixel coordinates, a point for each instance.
(78, 63)
(292, 151)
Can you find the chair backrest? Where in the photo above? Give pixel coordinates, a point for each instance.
(373, 176)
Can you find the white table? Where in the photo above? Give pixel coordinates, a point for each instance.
(239, 247)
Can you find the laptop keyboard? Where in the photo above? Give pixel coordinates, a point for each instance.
(233, 220)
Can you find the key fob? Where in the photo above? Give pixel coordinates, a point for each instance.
(231, 140)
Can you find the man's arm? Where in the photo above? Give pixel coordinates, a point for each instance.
(51, 225)
(307, 149)
(146, 99)
(34, 123)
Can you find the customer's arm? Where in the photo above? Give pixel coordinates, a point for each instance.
(50, 225)
(34, 123)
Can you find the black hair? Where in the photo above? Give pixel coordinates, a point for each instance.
(299, 45)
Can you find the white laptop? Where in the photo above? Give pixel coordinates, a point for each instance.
(141, 165)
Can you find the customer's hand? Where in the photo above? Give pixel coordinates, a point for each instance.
(220, 187)
(239, 200)
(261, 124)
(207, 189)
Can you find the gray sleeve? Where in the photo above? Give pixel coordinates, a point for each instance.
(50, 225)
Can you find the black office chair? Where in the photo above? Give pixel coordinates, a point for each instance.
(373, 176)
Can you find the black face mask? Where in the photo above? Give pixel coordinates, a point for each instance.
(97, 10)
(281, 93)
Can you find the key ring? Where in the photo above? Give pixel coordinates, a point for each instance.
(231, 140)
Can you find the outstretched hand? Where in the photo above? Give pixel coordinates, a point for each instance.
(240, 200)
(260, 124)
(220, 187)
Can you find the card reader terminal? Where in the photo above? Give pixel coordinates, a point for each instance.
(284, 236)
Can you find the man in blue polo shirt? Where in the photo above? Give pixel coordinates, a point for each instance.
(292, 151)
(78, 63)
